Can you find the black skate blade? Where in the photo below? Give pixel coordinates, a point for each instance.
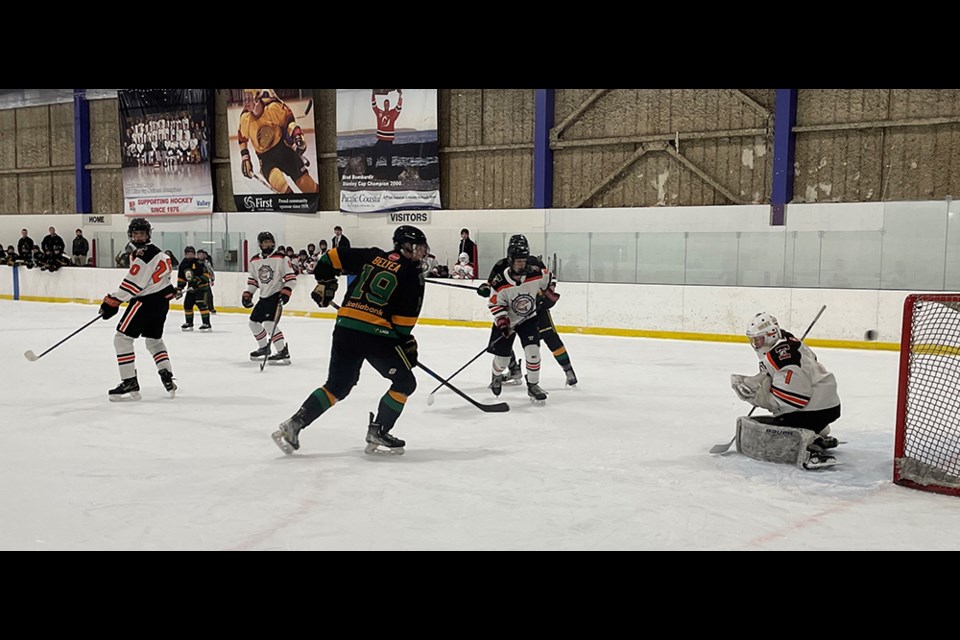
(285, 446)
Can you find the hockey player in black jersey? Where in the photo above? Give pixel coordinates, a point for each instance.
(192, 276)
(546, 301)
(147, 290)
(374, 324)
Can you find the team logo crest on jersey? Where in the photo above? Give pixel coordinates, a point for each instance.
(523, 305)
(783, 353)
(393, 256)
(265, 273)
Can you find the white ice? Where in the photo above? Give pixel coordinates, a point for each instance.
(620, 462)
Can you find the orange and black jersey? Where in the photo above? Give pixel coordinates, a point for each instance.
(386, 295)
(199, 277)
(149, 274)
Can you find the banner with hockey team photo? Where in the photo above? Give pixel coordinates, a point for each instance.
(387, 149)
(273, 150)
(166, 146)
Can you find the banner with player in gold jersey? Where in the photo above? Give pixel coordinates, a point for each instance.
(273, 150)
(387, 149)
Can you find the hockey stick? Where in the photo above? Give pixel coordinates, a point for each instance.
(32, 357)
(305, 111)
(498, 407)
(430, 397)
(259, 178)
(450, 284)
(722, 448)
(276, 324)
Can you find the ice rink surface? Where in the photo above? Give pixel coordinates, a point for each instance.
(619, 462)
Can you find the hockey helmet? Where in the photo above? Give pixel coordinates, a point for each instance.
(139, 224)
(407, 234)
(764, 332)
(265, 236)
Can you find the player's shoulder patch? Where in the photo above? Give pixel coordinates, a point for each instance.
(394, 256)
(786, 352)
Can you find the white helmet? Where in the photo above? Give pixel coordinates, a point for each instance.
(764, 332)
(464, 258)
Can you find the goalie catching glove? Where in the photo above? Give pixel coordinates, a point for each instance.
(323, 293)
(754, 389)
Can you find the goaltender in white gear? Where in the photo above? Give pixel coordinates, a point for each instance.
(798, 391)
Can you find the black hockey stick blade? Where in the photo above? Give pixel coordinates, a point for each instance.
(309, 106)
(499, 407)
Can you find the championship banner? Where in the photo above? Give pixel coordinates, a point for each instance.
(387, 149)
(166, 148)
(273, 150)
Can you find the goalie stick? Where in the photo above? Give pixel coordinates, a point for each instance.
(722, 447)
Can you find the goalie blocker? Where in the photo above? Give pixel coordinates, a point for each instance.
(759, 438)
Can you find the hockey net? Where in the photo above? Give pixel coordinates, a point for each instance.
(927, 449)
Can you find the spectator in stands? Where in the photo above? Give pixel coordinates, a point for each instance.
(25, 246)
(340, 240)
(11, 258)
(80, 249)
(36, 258)
(312, 251)
(462, 270)
(321, 249)
(467, 245)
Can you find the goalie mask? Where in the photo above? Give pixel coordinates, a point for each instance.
(764, 332)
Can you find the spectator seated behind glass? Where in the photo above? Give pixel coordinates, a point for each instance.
(433, 269)
(10, 257)
(462, 270)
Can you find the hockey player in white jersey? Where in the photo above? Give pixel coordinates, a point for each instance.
(514, 308)
(147, 290)
(271, 273)
(798, 391)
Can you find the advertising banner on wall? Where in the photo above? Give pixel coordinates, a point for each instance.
(387, 149)
(165, 139)
(273, 150)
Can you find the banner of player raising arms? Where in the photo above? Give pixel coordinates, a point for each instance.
(273, 150)
(165, 148)
(387, 149)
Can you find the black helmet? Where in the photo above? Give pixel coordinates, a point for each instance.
(265, 235)
(518, 251)
(519, 239)
(406, 233)
(138, 224)
(188, 249)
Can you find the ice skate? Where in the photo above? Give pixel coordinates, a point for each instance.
(287, 437)
(571, 377)
(167, 377)
(128, 389)
(817, 459)
(377, 436)
(281, 357)
(260, 353)
(206, 327)
(536, 394)
(496, 384)
(186, 326)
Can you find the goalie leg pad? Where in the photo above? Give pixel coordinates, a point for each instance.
(772, 442)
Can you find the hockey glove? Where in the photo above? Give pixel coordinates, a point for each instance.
(247, 299)
(483, 290)
(764, 398)
(503, 324)
(109, 307)
(179, 294)
(285, 296)
(408, 351)
(299, 144)
(246, 166)
(323, 293)
(550, 297)
(742, 388)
